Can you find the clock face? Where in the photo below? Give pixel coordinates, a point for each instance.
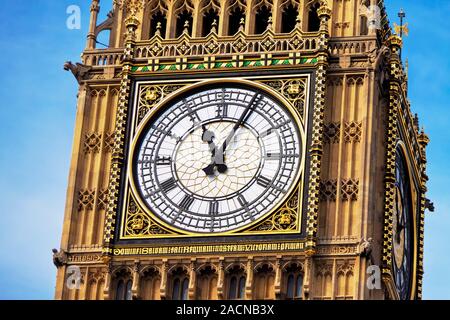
(402, 230)
(217, 160)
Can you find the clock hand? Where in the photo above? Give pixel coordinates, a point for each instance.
(220, 156)
(208, 136)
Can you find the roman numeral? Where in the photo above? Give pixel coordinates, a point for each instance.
(163, 161)
(222, 111)
(273, 156)
(168, 185)
(242, 201)
(214, 208)
(267, 133)
(264, 182)
(283, 124)
(191, 113)
(167, 133)
(186, 203)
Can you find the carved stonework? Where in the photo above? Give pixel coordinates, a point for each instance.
(345, 268)
(349, 189)
(102, 199)
(92, 142)
(328, 190)
(59, 258)
(323, 268)
(84, 258)
(332, 132)
(108, 142)
(79, 71)
(86, 200)
(352, 132)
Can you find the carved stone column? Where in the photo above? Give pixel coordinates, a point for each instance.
(192, 279)
(220, 279)
(83, 289)
(307, 278)
(136, 281)
(278, 278)
(163, 288)
(249, 282)
(108, 278)
(91, 37)
(223, 19)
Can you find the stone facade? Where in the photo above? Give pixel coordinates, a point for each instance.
(359, 113)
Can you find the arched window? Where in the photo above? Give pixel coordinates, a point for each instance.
(123, 284)
(263, 15)
(364, 26)
(289, 18)
(184, 20)
(236, 283)
(232, 290)
(294, 281)
(150, 283)
(176, 289)
(299, 286)
(263, 282)
(129, 292)
(290, 287)
(180, 290)
(313, 18)
(236, 288)
(241, 289)
(158, 24)
(209, 18)
(236, 16)
(294, 286)
(207, 283)
(120, 291)
(185, 290)
(180, 284)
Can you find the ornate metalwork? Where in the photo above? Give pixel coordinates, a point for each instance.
(284, 219)
(139, 223)
(151, 95)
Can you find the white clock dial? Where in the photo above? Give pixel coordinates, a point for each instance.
(217, 160)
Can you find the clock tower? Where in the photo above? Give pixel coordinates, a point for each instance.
(244, 149)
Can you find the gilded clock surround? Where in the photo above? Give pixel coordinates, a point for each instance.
(284, 219)
(357, 116)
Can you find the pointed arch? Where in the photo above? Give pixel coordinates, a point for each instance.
(235, 281)
(313, 22)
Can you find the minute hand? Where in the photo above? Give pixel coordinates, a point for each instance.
(244, 117)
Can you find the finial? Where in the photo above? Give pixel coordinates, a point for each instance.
(298, 22)
(214, 26)
(242, 24)
(158, 29)
(186, 27)
(416, 122)
(401, 29)
(269, 23)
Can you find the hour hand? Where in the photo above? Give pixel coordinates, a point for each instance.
(208, 136)
(209, 170)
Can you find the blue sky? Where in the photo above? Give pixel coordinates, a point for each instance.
(38, 114)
